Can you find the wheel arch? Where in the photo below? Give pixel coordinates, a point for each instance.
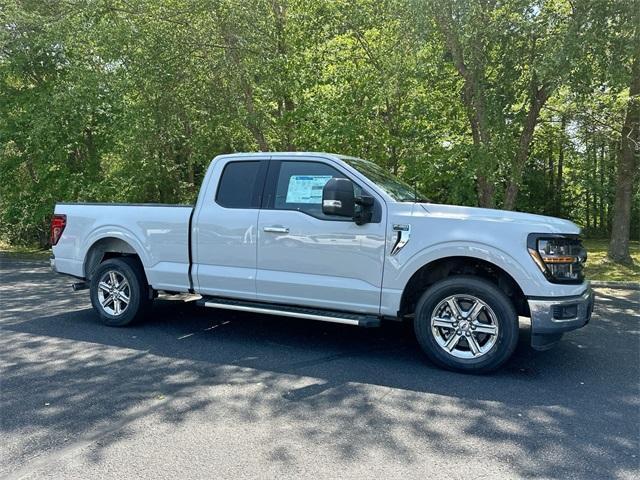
(445, 267)
(105, 248)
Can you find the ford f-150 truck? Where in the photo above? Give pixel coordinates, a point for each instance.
(334, 238)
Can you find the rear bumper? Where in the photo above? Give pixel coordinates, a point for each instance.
(551, 317)
(66, 267)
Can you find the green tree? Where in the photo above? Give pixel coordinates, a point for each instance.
(517, 103)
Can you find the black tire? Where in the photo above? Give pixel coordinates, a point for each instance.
(494, 298)
(139, 302)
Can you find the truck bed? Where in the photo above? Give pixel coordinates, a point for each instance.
(159, 234)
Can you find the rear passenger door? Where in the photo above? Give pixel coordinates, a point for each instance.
(311, 259)
(225, 238)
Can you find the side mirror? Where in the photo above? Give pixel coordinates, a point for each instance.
(338, 198)
(364, 214)
(365, 201)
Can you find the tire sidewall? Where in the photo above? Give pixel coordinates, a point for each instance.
(488, 293)
(135, 298)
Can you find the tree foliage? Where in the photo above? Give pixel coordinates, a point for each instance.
(517, 104)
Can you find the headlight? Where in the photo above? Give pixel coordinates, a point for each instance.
(560, 257)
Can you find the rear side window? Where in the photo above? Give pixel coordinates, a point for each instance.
(239, 185)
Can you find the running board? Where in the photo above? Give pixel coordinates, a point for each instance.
(360, 320)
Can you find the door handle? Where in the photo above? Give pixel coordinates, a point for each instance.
(276, 229)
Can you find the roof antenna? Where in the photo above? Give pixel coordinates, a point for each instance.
(418, 198)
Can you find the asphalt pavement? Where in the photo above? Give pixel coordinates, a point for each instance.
(203, 393)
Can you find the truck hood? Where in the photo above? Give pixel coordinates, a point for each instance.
(534, 223)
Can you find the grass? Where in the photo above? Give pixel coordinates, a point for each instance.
(597, 268)
(23, 251)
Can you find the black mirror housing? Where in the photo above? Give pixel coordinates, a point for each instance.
(338, 198)
(364, 214)
(365, 201)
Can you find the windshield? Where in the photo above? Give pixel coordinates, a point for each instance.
(393, 186)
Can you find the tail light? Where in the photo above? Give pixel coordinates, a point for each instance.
(58, 222)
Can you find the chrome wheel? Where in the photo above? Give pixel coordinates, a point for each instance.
(114, 293)
(464, 326)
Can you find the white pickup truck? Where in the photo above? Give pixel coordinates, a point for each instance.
(333, 238)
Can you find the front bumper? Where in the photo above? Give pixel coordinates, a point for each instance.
(551, 317)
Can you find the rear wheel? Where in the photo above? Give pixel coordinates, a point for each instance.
(119, 291)
(466, 324)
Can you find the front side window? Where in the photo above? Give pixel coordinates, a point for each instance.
(299, 187)
(238, 185)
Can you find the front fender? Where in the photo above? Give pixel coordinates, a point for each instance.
(399, 269)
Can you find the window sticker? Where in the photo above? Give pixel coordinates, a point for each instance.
(306, 188)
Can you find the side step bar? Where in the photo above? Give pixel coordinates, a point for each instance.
(360, 320)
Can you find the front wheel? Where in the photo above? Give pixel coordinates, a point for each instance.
(119, 291)
(467, 324)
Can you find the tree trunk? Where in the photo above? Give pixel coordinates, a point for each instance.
(588, 209)
(559, 186)
(593, 166)
(93, 159)
(253, 122)
(286, 105)
(611, 172)
(601, 192)
(551, 184)
(474, 101)
(627, 169)
(538, 99)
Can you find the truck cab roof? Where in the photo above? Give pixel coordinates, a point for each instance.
(276, 155)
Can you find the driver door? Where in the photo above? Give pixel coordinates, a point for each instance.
(307, 258)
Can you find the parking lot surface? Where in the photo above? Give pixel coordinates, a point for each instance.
(203, 393)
